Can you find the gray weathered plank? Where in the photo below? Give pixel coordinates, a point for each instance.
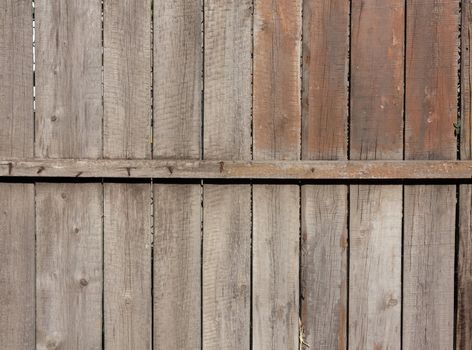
(127, 79)
(226, 266)
(68, 79)
(16, 79)
(275, 267)
(17, 261)
(127, 266)
(178, 61)
(69, 266)
(324, 266)
(177, 266)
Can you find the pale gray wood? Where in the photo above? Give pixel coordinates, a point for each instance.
(375, 266)
(127, 79)
(177, 266)
(226, 266)
(178, 61)
(324, 266)
(68, 79)
(228, 68)
(16, 79)
(69, 266)
(17, 284)
(428, 280)
(127, 266)
(275, 295)
(214, 169)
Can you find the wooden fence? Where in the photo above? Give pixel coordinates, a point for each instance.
(235, 174)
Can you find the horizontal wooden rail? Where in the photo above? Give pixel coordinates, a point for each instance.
(194, 169)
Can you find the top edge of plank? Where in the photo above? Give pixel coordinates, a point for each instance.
(227, 169)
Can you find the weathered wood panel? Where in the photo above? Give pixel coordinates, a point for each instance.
(69, 266)
(275, 267)
(177, 266)
(464, 254)
(431, 110)
(127, 79)
(16, 79)
(68, 79)
(127, 266)
(324, 266)
(177, 78)
(376, 211)
(226, 266)
(17, 271)
(324, 208)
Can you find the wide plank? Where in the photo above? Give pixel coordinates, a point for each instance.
(127, 266)
(69, 275)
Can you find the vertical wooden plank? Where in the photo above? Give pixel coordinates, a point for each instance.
(127, 79)
(177, 266)
(69, 266)
(127, 266)
(431, 110)
(226, 266)
(227, 135)
(16, 79)
(177, 78)
(68, 79)
(17, 284)
(277, 123)
(376, 210)
(227, 75)
(324, 207)
(464, 261)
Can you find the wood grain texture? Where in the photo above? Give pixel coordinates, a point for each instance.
(226, 266)
(69, 266)
(463, 316)
(127, 266)
(16, 79)
(324, 266)
(375, 267)
(275, 279)
(17, 261)
(127, 79)
(68, 79)
(324, 80)
(177, 266)
(178, 83)
(428, 293)
(228, 67)
(431, 109)
(277, 83)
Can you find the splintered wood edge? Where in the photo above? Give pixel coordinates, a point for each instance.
(204, 169)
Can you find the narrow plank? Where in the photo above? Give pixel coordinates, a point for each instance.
(127, 79)
(178, 64)
(69, 266)
(127, 266)
(431, 110)
(376, 210)
(325, 65)
(277, 83)
(375, 267)
(226, 266)
(17, 284)
(177, 267)
(68, 79)
(228, 68)
(227, 214)
(464, 260)
(275, 267)
(324, 266)
(16, 79)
